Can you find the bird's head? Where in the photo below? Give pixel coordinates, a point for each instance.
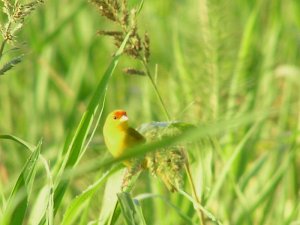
(117, 119)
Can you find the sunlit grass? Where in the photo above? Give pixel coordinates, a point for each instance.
(231, 69)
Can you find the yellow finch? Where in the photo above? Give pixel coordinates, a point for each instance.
(118, 136)
(166, 163)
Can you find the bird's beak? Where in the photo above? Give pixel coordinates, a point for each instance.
(123, 118)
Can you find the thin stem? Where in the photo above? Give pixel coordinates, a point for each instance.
(148, 73)
(2, 47)
(194, 192)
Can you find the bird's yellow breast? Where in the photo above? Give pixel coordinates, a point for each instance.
(116, 142)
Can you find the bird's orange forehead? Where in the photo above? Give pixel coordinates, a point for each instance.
(120, 113)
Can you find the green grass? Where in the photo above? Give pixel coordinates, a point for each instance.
(230, 68)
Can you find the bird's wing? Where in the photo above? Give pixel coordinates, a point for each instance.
(134, 136)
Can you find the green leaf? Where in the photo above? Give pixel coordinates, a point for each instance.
(212, 217)
(229, 164)
(79, 142)
(30, 147)
(131, 209)
(268, 189)
(46, 204)
(18, 200)
(39, 207)
(80, 201)
(167, 202)
(109, 204)
(244, 50)
(257, 166)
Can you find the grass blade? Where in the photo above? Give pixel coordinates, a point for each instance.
(30, 147)
(145, 196)
(131, 209)
(197, 205)
(109, 204)
(79, 202)
(18, 200)
(268, 190)
(229, 164)
(253, 171)
(242, 56)
(48, 200)
(76, 147)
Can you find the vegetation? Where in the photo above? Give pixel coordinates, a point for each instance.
(229, 69)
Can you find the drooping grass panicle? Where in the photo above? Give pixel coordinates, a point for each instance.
(126, 20)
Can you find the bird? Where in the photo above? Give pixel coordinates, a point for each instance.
(119, 136)
(165, 163)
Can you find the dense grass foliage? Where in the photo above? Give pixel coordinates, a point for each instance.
(230, 68)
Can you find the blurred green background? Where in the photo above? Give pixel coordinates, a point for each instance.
(216, 60)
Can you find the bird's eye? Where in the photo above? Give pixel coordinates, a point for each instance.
(115, 117)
